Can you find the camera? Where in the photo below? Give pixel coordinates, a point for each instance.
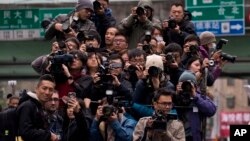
(184, 97)
(105, 78)
(172, 23)
(221, 43)
(147, 48)
(224, 55)
(160, 120)
(107, 112)
(80, 36)
(71, 95)
(154, 71)
(148, 36)
(57, 60)
(97, 5)
(193, 50)
(169, 58)
(140, 11)
(228, 57)
(45, 23)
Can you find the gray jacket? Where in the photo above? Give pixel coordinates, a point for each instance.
(134, 29)
(83, 26)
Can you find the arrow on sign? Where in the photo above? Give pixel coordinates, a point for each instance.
(236, 27)
(35, 19)
(195, 13)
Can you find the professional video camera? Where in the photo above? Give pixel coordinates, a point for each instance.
(223, 55)
(184, 97)
(105, 78)
(57, 60)
(160, 120)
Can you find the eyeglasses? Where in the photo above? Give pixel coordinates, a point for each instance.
(165, 103)
(119, 40)
(54, 99)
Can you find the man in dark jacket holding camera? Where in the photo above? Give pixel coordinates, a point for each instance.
(69, 25)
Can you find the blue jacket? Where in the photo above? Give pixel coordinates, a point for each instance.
(202, 107)
(123, 130)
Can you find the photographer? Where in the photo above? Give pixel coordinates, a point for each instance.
(69, 25)
(102, 17)
(172, 62)
(167, 128)
(111, 125)
(192, 107)
(178, 26)
(135, 25)
(72, 79)
(155, 79)
(209, 53)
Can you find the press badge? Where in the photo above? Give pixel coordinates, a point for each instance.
(195, 109)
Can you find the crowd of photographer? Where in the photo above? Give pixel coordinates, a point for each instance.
(140, 79)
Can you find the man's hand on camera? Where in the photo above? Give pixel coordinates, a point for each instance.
(216, 55)
(73, 103)
(221, 63)
(66, 70)
(53, 137)
(58, 27)
(72, 33)
(113, 117)
(178, 87)
(149, 123)
(193, 90)
(140, 72)
(96, 77)
(133, 11)
(98, 113)
(116, 81)
(165, 24)
(100, 11)
(156, 82)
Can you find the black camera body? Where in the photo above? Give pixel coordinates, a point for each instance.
(107, 112)
(105, 78)
(184, 99)
(172, 23)
(140, 11)
(154, 71)
(224, 55)
(160, 120)
(170, 58)
(97, 5)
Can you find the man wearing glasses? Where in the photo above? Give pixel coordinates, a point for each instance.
(55, 121)
(149, 129)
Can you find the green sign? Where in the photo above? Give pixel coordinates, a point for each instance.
(216, 9)
(19, 19)
(51, 13)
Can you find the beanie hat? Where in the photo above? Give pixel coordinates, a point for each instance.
(94, 34)
(84, 4)
(145, 3)
(75, 40)
(154, 60)
(188, 76)
(207, 37)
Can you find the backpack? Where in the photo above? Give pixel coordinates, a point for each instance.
(8, 125)
(9, 121)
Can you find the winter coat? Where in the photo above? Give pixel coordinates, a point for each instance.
(174, 131)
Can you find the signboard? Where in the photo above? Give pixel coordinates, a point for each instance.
(21, 24)
(232, 118)
(222, 17)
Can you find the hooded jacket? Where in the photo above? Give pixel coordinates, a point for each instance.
(32, 123)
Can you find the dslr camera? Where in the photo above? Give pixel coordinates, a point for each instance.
(140, 11)
(154, 71)
(169, 57)
(160, 120)
(223, 55)
(172, 23)
(184, 97)
(107, 112)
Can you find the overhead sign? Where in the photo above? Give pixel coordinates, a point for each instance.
(21, 24)
(222, 17)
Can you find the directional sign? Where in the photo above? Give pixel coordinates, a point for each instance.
(23, 24)
(19, 19)
(222, 17)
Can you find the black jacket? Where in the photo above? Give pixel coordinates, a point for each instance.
(32, 123)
